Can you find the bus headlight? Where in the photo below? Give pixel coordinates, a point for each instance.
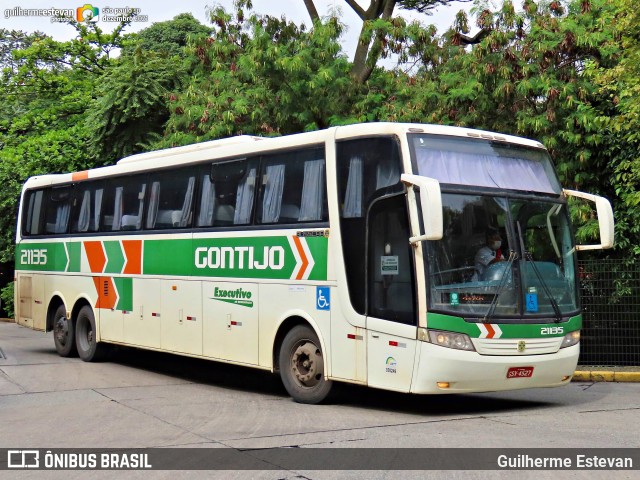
(570, 339)
(459, 341)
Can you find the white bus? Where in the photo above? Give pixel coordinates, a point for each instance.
(352, 254)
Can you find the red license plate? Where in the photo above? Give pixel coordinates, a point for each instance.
(519, 372)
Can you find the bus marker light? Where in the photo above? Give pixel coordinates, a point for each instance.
(443, 384)
(351, 336)
(565, 378)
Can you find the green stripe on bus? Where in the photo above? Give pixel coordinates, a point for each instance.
(44, 257)
(75, 254)
(274, 257)
(508, 330)
(124, 286)
(240, 257)
(115, 257)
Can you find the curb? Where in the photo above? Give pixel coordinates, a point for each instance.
(605, 376)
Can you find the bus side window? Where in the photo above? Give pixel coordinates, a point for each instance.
(171, 200)
(32, 217)
(283, 197)
(88, 205)
(227, 193)
(123, 204)
(58, 209)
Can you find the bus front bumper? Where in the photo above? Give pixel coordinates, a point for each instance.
(465, 371)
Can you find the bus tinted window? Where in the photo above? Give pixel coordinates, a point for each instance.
(227, 194)
(293, 188)
(57, 210)
(123, 205)
(32, 217)
(171, 200)
(367, 169)
(88, 207)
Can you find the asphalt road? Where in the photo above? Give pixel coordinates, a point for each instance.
(146, 399)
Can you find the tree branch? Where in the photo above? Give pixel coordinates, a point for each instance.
(462, 39)
(357, 8)
(311, 8)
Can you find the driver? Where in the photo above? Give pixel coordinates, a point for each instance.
(489, 253)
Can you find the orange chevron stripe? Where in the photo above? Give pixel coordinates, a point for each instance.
(133, 254)
(107, 295)
(490, 329)
(96, 256)
(303, 257)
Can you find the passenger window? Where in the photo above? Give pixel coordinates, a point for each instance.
(227, 194)
(124, 204)
(32, 217)
(170, 200)
(284, 197)
(58, 209)
(87, 208)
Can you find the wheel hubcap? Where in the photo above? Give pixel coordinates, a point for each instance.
(307, 364)
(62, 330)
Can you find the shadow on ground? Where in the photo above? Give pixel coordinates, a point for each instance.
(258, 381)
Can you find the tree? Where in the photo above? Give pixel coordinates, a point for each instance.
(167, 38)
(381, 32)
(260, 75)
(48, 89)
(132, 103)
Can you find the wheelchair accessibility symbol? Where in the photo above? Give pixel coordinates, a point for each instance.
(323, 298)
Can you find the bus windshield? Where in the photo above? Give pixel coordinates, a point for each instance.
(502, 257)
(481, 163)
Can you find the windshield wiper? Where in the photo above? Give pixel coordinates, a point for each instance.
(545, 287)
(503, 281)
(527, 257)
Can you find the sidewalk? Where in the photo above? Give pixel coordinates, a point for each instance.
(585, 373)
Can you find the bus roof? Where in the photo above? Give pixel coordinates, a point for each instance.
(244, 145)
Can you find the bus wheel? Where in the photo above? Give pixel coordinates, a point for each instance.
(89, 349)
(64, 335)
(302, 366)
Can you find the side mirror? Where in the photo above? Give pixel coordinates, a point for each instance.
(605, 219)
(431, 204)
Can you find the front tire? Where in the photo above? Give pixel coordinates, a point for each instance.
(89, 349)
(302, 366)
(64, 336)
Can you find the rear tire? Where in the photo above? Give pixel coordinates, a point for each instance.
(89, 349)
(302, 366)
(64, 335)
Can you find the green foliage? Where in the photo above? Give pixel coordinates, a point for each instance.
(6, 295)
(166, 38)
(260, 75)
(131, 104)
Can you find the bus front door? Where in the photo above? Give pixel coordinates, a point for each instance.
(391, 304)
